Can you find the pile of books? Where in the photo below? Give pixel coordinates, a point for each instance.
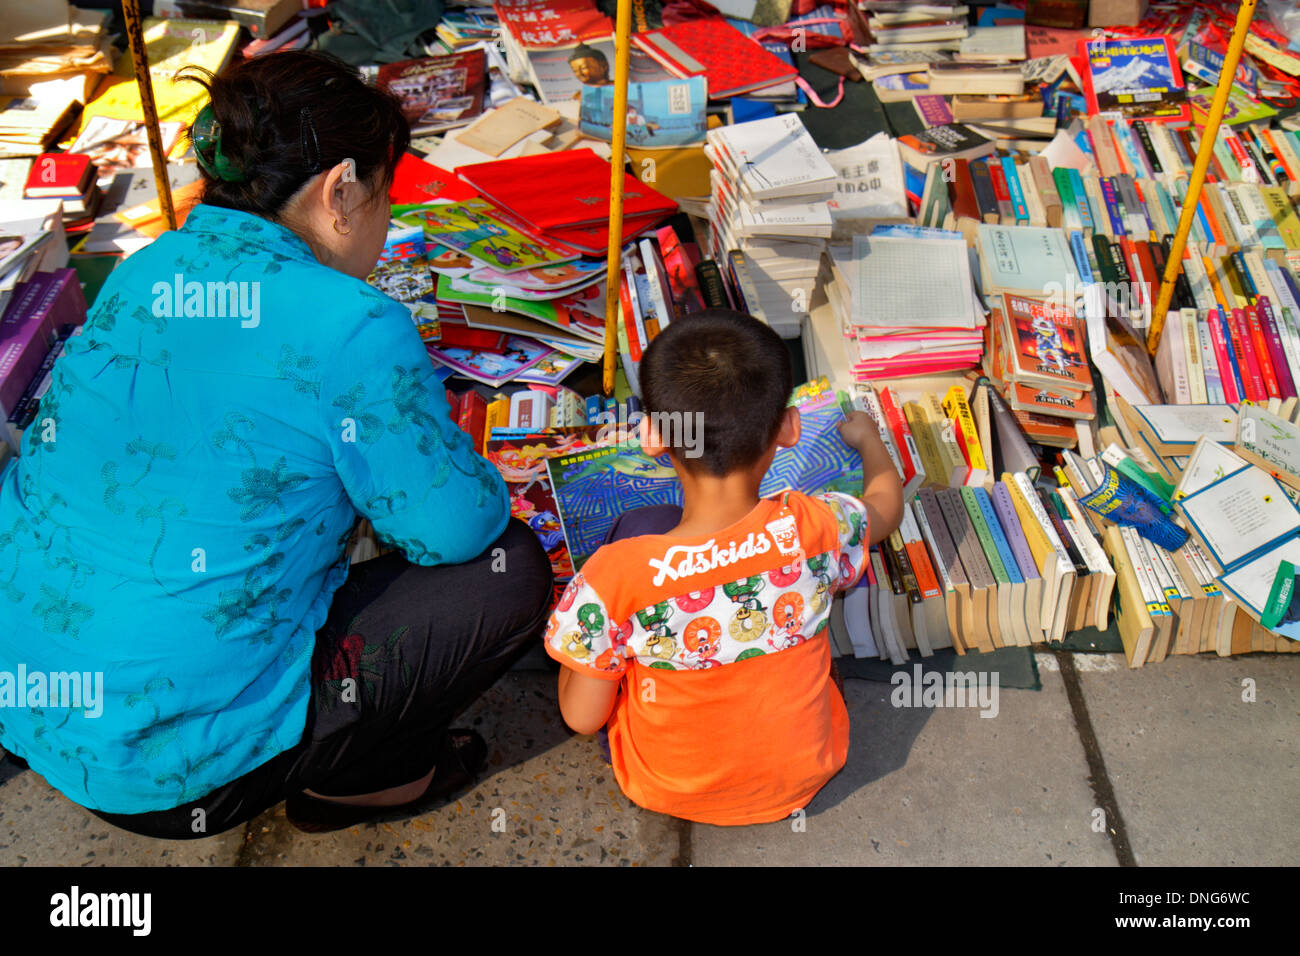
(1195, 504)
(70, 177)
(892, 325)
(41, 314)
(979, 562)
(52, 57)
(771, 186)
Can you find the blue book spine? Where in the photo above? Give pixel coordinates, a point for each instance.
(1127, 140)
(1081, 202)
(594, 407)
(999, 538)
(1166, 202)
(1018, 205)
(1081, 261)
(1222, 318)
(1111, 198)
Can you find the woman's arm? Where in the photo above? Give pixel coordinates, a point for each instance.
(402, 461)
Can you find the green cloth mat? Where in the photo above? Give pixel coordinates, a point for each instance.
(92, 271)
(857, 117)
(1015, 666)
(1093, 641)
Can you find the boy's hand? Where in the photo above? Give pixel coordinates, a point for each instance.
(859, 431)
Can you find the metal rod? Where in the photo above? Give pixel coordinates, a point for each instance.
(613, 273)
(140, 59)
(1208, 137)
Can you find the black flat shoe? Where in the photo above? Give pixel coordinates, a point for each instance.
(461, 756)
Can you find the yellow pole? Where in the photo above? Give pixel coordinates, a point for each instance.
(613, 273)
(1208, 136)
(135, 40)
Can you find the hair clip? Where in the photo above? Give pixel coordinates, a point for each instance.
(205, 134)
(310, 147)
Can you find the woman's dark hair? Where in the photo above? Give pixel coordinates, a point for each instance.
(285, 117)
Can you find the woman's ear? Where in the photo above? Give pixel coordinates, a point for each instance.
(787, 435)
(340, 193)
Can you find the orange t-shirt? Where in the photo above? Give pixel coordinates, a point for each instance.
(728, 714)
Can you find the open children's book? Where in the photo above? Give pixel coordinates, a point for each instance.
(1247, 523)
(594, 486)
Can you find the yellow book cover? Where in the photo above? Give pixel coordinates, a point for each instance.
(958, 409)
(1284, 217)
(170, 45)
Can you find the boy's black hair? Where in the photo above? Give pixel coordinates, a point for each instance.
(731, 368)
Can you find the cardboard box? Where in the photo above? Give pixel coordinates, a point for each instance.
(1116, 13)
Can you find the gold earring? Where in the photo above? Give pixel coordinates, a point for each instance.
(340, 231)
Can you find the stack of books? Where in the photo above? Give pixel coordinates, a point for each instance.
(39, 317)
(70, 177)
(31, 239)
(980, 561)
(891, 324)
(1037, 356)
(1198, 516)
(770, 187)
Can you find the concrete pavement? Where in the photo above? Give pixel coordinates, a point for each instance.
(1200, 775)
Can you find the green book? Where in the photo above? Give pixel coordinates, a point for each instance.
(1064, 189)
(985, 535)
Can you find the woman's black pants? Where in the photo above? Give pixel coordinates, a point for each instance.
(404, 650)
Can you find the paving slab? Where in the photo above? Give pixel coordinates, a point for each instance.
(41, 827)
(553, 799)
(1201, 776)
(939, 787)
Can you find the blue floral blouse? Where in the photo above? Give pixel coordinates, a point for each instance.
(176, 523)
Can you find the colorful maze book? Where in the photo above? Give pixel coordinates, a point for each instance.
(522, 463)
(485, 233)
(593, 487)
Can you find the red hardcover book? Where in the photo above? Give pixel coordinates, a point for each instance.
(594, 240)
(1151, 274)
(452, 335)
(1260, 344)
(962, 193)
(1268, 322)
(472, 418)
(903, 440)
(1251, 378)
(629, 319)
(1000, 190)
(1221, 359)
(416, 181)
(59, 176)
(679, 264)
(732, 62)
(453, 405)
(558, 191)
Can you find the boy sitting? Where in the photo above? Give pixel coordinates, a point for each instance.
(716, 632)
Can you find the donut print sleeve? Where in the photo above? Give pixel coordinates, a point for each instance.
(851, 521)
(581, 636)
